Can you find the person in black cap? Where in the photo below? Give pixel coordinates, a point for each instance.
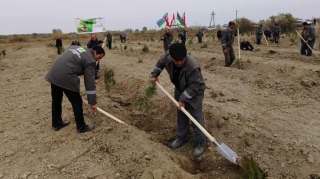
(185, 74)
(226, 43)
(309, 37)
(276, 33)
(75, 42)
(167, 39)
(259, 34)
(246, 45)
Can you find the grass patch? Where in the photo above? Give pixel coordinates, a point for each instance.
(109, 80)
(204, 46)
(145, 49)
(152, 40)
(139, 43)
(272, 52)
(143, 101)
(140, 60)
(251, 169)
(257, 49)
(125, 47)
(190, 42)
(3, 52)
(238, 63)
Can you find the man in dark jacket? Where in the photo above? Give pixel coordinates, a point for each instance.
(109, 40)
(259, 34)
(94, 41)
(276, 33)
(199, 35)
(183, 38)
(309, 36)
(185, 74)
(59, 44)
(246, 45)
(167, 39)
(227, 42)
(267, 33)
(63, 76)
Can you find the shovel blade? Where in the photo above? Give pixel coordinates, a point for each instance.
(228, 153)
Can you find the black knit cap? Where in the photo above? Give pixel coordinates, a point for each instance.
(305, 23)
(232, 23)
(178, 51)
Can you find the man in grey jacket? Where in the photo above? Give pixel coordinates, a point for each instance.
(309, 36)
(259, 34)
(185, 74)
(276, 33)
(227, 39)
(63, 76)
(167, 39)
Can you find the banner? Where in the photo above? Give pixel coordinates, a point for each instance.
(93, 25)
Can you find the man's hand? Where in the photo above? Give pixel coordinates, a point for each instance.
(103, 41)
(225, 51)
(306, 42)
(93, 106)
(253, 50)
(154, 80)
(181, 105)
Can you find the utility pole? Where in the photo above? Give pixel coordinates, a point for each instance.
(236, 15)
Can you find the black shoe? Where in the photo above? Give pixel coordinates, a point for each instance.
(179, 142)
(62, 125)
(86, 128)
(97, 77)
(198, 151)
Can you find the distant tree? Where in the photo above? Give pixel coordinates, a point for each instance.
(34, 35)
(144, 29)
(286, 21)
(128, 30)
(137, 30)
(218, 26)
(59, 30)
(54, 31)
(246, 25)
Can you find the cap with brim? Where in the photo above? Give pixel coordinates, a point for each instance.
(178, 51)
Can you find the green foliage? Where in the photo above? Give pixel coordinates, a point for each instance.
(50, 45)
(139, 43)
(204, 46)
(131, 49)
(293, 41)
(109, 80)
(120, 47)
(176, 40)
(145, 49)
(252, 169)
(246, 25)
(143, 101)
(189, 53)
(190, 42)
(3, 52)
(272, 52)
(257, 49)
(61, 50)
(140, 60)
(152, 40)
(238, 63)
(125, 47)
(285, 20)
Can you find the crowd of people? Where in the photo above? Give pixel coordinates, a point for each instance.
(184, 72)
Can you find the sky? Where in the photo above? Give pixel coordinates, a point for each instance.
(41, 16)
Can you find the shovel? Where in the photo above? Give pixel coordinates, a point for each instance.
(223, 149)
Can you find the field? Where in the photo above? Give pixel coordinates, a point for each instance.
(265, 107)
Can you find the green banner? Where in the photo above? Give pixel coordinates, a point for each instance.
(92, 25)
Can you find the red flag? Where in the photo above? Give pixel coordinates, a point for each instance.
(184, 19)
(173, 18)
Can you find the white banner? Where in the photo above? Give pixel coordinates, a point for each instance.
(92, 25)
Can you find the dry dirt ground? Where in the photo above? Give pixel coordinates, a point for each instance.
(268, 110)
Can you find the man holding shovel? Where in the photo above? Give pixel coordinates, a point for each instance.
(63, 77)
(309, 37)
(185, 74)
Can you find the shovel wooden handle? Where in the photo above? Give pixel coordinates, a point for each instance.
(239, 43)
(187, 114)
(265, 38)
(107, 114)
(307, 44)
(104, 42)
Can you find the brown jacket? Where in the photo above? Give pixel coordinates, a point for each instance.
(191, 82)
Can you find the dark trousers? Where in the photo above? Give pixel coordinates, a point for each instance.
(229, 56)
(97, 69)
(276, 39)
(123, 40)
(183, 42)
(75, 100)
(109, 44)
(258, 41)
(59, 49)
(200, 40)
(183, 120)
(305, 50)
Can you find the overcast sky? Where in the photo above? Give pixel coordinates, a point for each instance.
(41, 16)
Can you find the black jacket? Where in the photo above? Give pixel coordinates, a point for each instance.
(92, 43)
(58, 43)
(246, 46)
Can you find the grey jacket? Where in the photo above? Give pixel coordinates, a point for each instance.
(75, 61)
(227, 38)
(191, 82)
(309, 34)
(167, 39)
(259, 33)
